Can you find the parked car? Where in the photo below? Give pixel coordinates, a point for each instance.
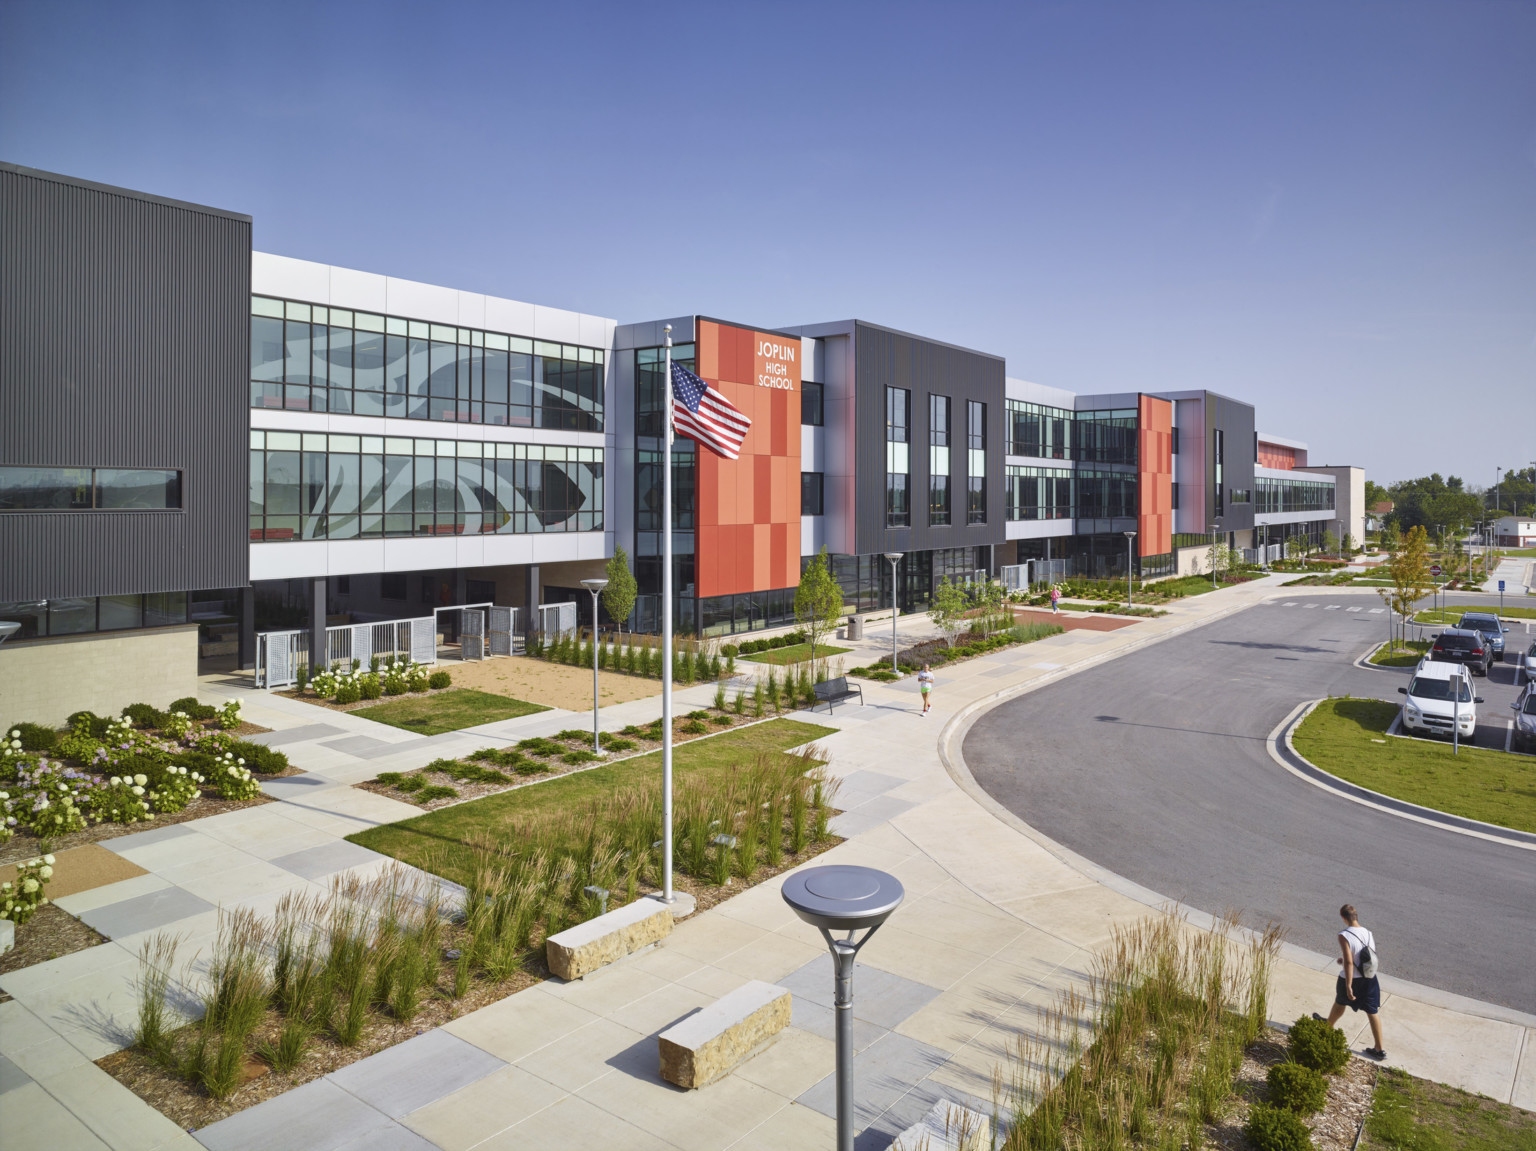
(1440, 698)
(1525, 719)
(1527, 664)
(1491, 627)
(1455, 645)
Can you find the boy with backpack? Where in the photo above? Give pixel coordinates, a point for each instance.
(1357, 988)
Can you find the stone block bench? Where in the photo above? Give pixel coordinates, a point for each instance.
(592, 945)
(714, 1039)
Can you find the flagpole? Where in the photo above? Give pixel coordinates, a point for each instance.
(666, 633)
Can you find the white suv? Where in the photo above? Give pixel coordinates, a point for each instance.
(1440, 697)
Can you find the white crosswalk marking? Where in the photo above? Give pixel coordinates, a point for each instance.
(1377, 610)
(1308, 606)
(1332, 607)
(1291, 604)
(1351, 609)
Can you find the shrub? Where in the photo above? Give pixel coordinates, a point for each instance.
(178, 788)
(538, 745)
(229, 714)
(574, 733)
(409, 783)
(389, 778)
(720, 720)
(730, 649)
(88, 723)
(258, 757)
(1276, 1129)
(194, 709)
(369, 687)
(1316, 1044)
(1298, 1088)
(348, 693)
(530, 767)
(232, 779)
(693, 727)
(439, 679)
(122, 800)
(615, 743)
(575, 757)
(19, 900)
(435, 792)
(35, 736)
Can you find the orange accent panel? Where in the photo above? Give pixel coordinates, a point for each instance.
(1275, 456)
(748, 535)
(1154, 521)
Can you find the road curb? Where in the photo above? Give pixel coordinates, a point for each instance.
(1284, 752)
(952, 737)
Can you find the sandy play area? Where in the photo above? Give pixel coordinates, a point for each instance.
(552, 684)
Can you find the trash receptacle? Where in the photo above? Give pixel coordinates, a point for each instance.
(855, 627)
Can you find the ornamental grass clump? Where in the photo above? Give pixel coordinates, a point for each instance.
(1146, 1055)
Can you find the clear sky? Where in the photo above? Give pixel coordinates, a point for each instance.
(1327, 209)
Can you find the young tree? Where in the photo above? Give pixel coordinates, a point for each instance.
(1330, 543)
(1348, 546)
(619, 596)
(1409, 571)
(1391, 538)
(818, 600)
(1219, 557)
(950, 603)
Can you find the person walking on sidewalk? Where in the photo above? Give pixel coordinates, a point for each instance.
(1055, 600)
(925, 686)
(1357, 988)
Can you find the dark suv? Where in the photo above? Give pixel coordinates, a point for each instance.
(1463, 645)
(1492, 627)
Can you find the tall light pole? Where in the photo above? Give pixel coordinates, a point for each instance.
(895, 558)
(595, 586)
(1129, 565)
(1215, 527)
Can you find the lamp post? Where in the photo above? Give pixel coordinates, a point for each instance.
(895, 558)
(1215, 527)
(851, 899)
(595, 586)
(1129, 564)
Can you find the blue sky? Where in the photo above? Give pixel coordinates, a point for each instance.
(1327, 209)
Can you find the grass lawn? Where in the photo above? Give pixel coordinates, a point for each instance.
(1410, 1114)
(448, 711)
(440, 838)
(1449, 616)
(1493, 786)
(1401, 654)
(796, 653)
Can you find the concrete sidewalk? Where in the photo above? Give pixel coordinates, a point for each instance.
(995, 924)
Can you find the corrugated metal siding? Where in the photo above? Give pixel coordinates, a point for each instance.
(124, 342)
(884, 358)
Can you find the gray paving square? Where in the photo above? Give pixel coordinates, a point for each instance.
(417, 1072)
(861, 786)
(362, 746)
(392, 1138)
(145, 838)
(11, 1076)
(867, 815)
(302, 734)
(145, 912)
(884, 1072)
(298, 786)
(821, 1021)
(878, 996)
(1010, 668)
(327, 859)
(913, 1106)
(318, 1116)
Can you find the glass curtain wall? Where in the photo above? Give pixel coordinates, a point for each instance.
(976, 462)
(305, 357)
(1039, 431)
(1287, 495)
(1105, 437)
(938, 460)
(1039, 493)
(307, 486)
(652, 393)
(898, 465)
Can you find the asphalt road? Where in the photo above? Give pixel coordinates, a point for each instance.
(1155, 767)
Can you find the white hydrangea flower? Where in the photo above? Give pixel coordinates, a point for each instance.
(138, 790)
(45, 873)
(48, 859)
(141, 780)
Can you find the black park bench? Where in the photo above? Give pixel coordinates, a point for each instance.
(834, 691)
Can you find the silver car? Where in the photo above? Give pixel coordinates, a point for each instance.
(1526, 663)
(1525, 719)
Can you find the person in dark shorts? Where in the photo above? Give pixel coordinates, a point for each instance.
(1354, 990)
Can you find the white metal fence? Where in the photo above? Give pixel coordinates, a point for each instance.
(1021, 577)
(557, 619)
(279, 654)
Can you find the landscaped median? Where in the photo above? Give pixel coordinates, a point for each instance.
(1400, 653)
(1347, 738)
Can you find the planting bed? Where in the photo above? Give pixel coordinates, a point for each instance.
(938, 652)
(50, 933)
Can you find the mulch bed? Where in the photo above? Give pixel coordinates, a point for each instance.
(1071, 620)
(49, 934)
(1333, 1128)
(190, 1108)
(310, 697)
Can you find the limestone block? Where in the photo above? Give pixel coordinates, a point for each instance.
(947, 1127)
(598, 942)
(712, 1040)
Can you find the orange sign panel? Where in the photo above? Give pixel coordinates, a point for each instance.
(749, 509)
(1155, 479)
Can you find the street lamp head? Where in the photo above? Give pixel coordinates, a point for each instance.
(894, 556)
(1130, 535)
(843, 897)
(594, 585)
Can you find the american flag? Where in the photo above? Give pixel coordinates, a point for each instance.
(702, 413)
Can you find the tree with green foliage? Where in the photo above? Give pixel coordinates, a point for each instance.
(1330, 543)
(1348, 547)
(1375, 494)
(1408, 569)
(1434, 502)
(619, 596)
(1391, 538)
(818, 600)
(950, 604)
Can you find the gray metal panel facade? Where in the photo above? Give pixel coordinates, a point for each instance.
(1235, 419)
(124, 342)
(884, 358)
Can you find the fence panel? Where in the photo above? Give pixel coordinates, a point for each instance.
(472, 633)
(557, 619)
(503, 625)
(424, 640)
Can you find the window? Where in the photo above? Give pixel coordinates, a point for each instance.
(1173, 440)
(310, 358)
(938, 460)
(976, 462)
(78, 616)
(1174, 488)
(89, 489)
(1038, 493)
(1105, 437)
(1219, 455)
(318, 486)
(898, 469)
(811, 404)
(812, 501)
(1242, 496)
(1039, 431)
